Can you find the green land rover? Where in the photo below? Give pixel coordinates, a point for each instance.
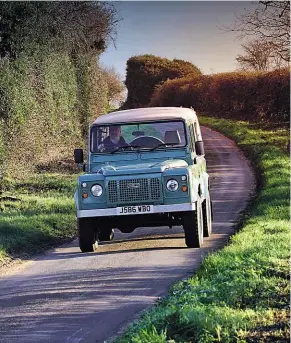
(145, 167)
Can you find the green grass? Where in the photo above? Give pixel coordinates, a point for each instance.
(36, 213)
(241, 293)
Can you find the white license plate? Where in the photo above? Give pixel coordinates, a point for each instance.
(140, 209)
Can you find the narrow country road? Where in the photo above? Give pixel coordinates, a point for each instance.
(68, 297)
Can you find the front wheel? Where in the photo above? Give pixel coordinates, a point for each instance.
(106, 235)
(193, 227)
(87, 235)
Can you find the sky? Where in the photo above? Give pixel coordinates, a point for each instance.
(188, 30)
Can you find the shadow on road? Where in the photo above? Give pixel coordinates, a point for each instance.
(69, 255)
(140, 239)
(78, 298)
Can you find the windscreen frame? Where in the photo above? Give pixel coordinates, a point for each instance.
(93, 127)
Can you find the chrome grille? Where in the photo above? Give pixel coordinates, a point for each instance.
(155, 189)
(112, 191)
(134, 190)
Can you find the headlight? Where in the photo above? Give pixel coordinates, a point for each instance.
(97, 190)
(172, 185)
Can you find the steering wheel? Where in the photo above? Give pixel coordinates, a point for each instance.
(146, 141)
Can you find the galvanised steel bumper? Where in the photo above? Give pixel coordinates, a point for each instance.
(156, 209)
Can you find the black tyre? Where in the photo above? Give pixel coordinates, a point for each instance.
(87, 235)
(106, 235)
(207, 217)
(193, 227)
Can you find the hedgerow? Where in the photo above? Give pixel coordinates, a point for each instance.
(51, 86)
(145, 72)
(255, 96)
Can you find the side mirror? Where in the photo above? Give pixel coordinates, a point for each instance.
(199, 147)
(78, 156)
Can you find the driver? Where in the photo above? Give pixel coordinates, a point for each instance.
(114, 140)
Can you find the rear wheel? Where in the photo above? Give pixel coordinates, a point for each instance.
(207, 217)
(87, 235)
(193, 227)
(106, 235)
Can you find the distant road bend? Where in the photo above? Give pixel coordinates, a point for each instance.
(68, 297)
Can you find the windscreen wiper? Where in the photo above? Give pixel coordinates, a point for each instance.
(125, 147)
(162, 144)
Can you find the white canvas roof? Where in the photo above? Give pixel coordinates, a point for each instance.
(146, 114)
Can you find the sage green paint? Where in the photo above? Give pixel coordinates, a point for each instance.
(163, 163)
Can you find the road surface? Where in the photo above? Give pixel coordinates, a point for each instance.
(68, 297)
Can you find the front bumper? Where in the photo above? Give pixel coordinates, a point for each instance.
(157, 209)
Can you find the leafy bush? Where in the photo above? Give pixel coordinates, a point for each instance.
(50, 102)
(145, 72)
(252, 96)
(50, 84)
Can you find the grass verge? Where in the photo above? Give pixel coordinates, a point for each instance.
(36, 213)
(241, 293)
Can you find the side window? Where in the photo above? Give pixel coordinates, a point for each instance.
(192, 137)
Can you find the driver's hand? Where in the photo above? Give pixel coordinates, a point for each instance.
(101, 147)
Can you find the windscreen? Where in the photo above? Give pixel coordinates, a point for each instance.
(142, 136)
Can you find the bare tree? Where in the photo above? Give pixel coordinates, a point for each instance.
(76, 26)
(85, 25)
(269, 23)
(115, 86)
(259, 55)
